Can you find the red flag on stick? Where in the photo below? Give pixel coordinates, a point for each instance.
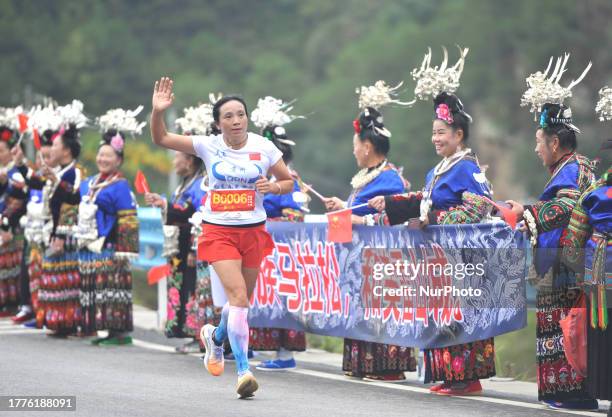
(157, 273)
(340, 228)
(37, 144)
(508, 215)
(141, 184)
(23, 122)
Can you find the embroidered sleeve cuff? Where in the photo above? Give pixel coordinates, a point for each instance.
(400, 208)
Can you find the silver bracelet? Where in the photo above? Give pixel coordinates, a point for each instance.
(531, 225)
(368, 220)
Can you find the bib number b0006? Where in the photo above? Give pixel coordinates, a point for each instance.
(232, 200)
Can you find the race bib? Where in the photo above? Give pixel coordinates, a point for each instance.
(232, 200)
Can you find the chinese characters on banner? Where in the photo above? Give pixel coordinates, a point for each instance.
(441, 286)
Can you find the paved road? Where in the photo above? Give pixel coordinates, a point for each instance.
(148, 380)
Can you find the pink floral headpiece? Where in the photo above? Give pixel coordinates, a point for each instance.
(443, 113)
(117, 143)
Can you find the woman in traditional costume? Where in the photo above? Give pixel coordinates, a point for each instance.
(452, 195)
(13, 198)
(587, 248)
(559, 385)
(43, 126)
(60, 309)
(107, 234)
(377, 177)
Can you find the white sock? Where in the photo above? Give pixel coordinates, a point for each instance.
(284, 354)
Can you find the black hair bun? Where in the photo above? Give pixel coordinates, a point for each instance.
(278, 136)
(554, 115)
(452, 101)
(115, 139)
(108, 136)
(72, 133)
(371, 118)
(71, 137)
(454, 105)
(274, 132)
(46, 139)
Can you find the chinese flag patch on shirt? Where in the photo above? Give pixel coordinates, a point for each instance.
(254, 156)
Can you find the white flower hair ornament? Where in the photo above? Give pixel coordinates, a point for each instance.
(121, 122)
(270, 116)
(44, 118)
(9, 117)
(72, 114)
(198, 120)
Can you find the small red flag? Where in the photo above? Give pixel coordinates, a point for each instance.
(37, 144)
(23, 122)
(340, 227)
(508, 215)
(141, 184)
(157, 273)
(254, 156)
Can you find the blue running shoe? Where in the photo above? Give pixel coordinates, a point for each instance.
(276, 365)
(30, 324)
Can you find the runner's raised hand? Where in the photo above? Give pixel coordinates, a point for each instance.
(163, 97)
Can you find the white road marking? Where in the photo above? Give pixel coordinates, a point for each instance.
(401, 387)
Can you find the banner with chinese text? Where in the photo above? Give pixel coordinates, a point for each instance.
(441, 286)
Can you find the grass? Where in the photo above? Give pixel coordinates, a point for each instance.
(516, 352)
(143, 293)
(327, 343)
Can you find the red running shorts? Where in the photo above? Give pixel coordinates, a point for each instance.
(221, 243)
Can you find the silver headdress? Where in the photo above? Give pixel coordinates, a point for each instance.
(604, 105)
(9, 117)
(546, 89)
(274, 113)
(378, 95)
(198, 120)
(72, 114)
(121, 120)
(44, 118)
(432, 81)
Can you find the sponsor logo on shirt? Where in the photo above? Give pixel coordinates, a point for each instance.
(242, 174)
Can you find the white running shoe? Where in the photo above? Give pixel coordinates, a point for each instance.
(213, 358)
(247, 385)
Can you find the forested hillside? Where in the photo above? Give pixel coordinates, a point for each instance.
(108, 54)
